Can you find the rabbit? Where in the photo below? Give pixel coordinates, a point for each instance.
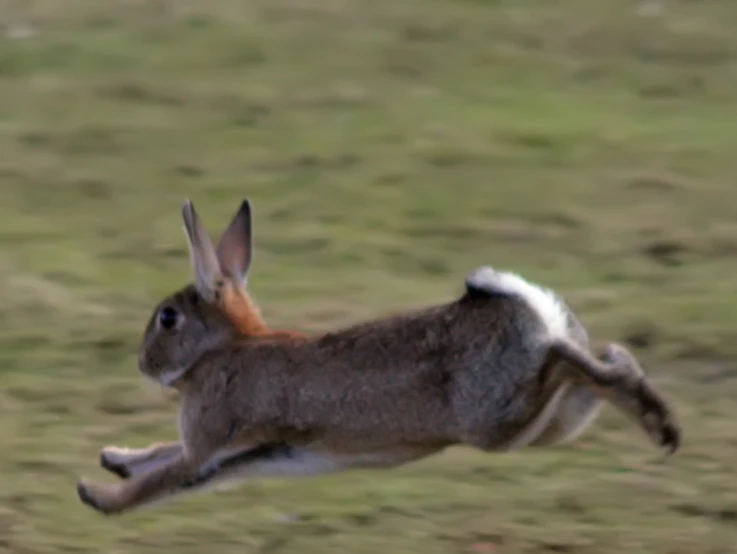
(491, 369)
(579, 406)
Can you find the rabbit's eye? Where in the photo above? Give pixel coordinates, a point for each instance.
(168, 317)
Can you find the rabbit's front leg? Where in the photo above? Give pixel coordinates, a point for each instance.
(153, 486)
(128, 462)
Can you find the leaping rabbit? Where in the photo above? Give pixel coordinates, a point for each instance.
(504, 366)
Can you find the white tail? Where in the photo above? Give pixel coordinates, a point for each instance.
(548, 305)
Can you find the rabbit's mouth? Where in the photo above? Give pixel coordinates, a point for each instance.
(169, 378)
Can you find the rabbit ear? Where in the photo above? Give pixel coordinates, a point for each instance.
(204, 259)
(235, 249)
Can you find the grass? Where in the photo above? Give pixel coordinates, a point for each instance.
(389, 147)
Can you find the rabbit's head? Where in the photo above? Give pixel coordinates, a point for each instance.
(209, 312)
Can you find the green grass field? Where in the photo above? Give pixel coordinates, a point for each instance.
(389, 147)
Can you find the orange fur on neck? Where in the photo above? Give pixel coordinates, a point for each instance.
(245, 316)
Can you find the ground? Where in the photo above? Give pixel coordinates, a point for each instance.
(389, 148)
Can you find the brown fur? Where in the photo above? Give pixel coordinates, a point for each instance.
(244, 315)
(483, 370)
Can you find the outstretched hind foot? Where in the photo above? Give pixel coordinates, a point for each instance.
(639, 397)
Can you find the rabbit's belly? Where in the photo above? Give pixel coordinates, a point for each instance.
(284, 460)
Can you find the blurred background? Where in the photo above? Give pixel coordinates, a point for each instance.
(389, 147)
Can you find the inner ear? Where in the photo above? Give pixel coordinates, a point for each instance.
(235, 249)
(207, 272)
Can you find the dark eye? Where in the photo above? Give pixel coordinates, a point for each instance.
(168, 317)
